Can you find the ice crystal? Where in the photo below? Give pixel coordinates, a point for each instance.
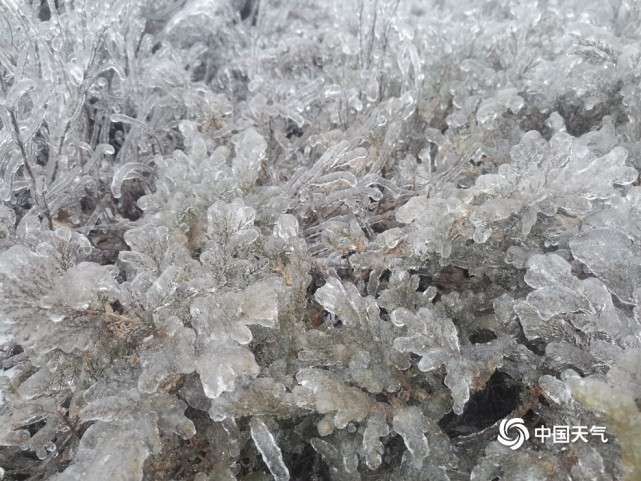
(546, 176)
(433, 221)
(435, 338)
(52, 285)
(369, 365)
(560, 297)
(269, 449)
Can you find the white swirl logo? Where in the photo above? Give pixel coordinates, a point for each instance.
(522, 435)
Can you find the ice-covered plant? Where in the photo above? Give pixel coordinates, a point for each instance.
(297, 240)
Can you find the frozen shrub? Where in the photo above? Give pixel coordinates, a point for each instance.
(298, 240)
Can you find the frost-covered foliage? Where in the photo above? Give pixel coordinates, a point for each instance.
(318, 240)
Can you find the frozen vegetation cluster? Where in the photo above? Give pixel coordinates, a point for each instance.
(319, 240)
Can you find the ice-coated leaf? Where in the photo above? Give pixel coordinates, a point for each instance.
(221, 366)
(342, 459)
(287, 227)
(7, 219)
(613, 257)
(172, 419)
(492, 184)
(625, 374)
(226, 316)
(586, 303)
(549, 270)
(19, 89)
(172, 351)
(434, 337)
(412, 209)
(432, 222)
(408, 422)
(330, 394)
(549, 301)
(563, 354)
(250, 148)
(555, 389)
(336, 181)
(47, 287)
(261, 397)
(332, 214)
(64, 246)
(535, 327)
(488, 111)
(81, 287)
(370, 364)
(342, 300)
(460, 376)
(233, 436)
(344, 236)
(620, 410)
(269, 450)
(36, 384)
(544, 176)
(231, 224)
(100, 151)
(373, 449)
(128, 171)
(590, 465)
(153, 250)
(391, 237)
(403, 292)
(152, 414)
(160, 292)
(225, 441)
(25, 412)
(107, 452)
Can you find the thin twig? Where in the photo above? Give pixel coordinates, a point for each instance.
(23, 151)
